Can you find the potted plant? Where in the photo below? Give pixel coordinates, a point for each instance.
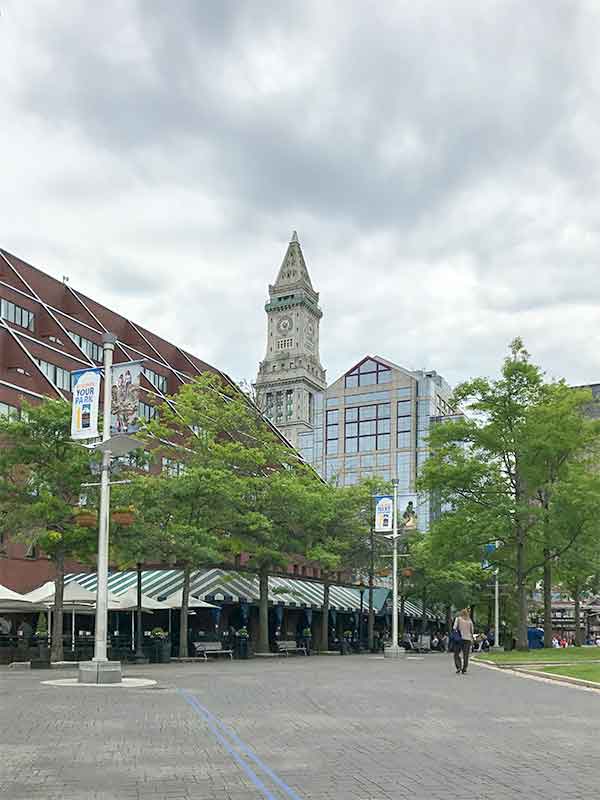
(242, 637)
(307, 638)
(346, 642)
(85, 517)
(161, 646)
(123, 516)
(42, 658)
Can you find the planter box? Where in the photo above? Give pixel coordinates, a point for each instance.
(86, 520)
(158, 651)
(123, 517)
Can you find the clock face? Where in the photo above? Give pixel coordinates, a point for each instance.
(285, 325)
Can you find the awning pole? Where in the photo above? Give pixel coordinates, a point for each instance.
(73, 629)
(132, 630)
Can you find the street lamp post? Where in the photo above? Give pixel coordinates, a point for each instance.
(100, 669)
(394, 651)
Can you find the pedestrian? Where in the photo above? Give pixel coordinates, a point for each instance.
(463, 639)
(5, 626)
(444, 643)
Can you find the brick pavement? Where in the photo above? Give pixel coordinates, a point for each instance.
(357, 728)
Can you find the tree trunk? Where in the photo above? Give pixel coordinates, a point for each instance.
(577, 611)
(522, 606)
(325, 625)
(401, 620)
(57, 653)
(183, 619)
(139, 638)
(547, 599)
(263, 617)
(448, 619)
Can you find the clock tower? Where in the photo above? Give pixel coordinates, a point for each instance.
(291, 373)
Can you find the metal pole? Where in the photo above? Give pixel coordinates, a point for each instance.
(73, 629)
(102, 569)
(394, 650)
(371, 623)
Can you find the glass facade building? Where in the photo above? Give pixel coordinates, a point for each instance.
(375, 421)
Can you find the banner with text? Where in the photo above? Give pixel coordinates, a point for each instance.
(86, 399)
(125, 397)
(384, 514)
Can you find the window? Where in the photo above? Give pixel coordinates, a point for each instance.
(59, 376)
(6, 410)
(278, 407)
(332, 431)
(311, 408)
(285, 344)
(157, 380)
(269, 405)
(367, 374)
(32, 551)
(404, 424)
(146, 411)
(332, 468)
(370, 431)
(17, 314)
(172, 467)
(404, 392)
(332, 402)
(289, 403)
(370, 397)
(91, 349)
(403, 464)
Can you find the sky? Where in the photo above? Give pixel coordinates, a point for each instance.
(440, 162)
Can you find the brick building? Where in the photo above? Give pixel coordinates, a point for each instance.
(47, 330)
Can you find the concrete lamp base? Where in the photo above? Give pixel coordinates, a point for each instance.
(99, 672)
(394, 652)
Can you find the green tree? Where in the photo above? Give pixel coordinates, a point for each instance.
(488, 469)
(242, 483)
(184, 518)
(346, 542)
(41, 472)
(574, 514)
(557, 436)
(442, 581)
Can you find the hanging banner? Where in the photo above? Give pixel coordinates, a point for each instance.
(384, 514)
(86, 398)
(125, 397)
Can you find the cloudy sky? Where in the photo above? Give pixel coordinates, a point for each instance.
(440, 161)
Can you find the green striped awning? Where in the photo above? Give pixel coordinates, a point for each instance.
(228, 586)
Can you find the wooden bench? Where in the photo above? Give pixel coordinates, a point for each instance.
(285, 648)
(205, 649)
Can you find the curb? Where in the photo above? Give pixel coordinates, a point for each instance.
(554, 676)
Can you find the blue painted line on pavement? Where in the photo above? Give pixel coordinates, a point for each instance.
(214, 725)
(190, 700)
(248, 751)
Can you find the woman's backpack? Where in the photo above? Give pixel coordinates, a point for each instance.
(455, 639)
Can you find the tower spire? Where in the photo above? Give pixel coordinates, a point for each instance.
(293, 271)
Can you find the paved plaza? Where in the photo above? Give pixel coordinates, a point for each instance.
(355, 728)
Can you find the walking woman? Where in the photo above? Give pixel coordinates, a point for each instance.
(463, 639)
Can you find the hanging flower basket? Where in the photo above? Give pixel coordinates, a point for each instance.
(86, 519)
(123, 516)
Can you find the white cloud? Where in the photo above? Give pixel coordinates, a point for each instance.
(441, 167)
